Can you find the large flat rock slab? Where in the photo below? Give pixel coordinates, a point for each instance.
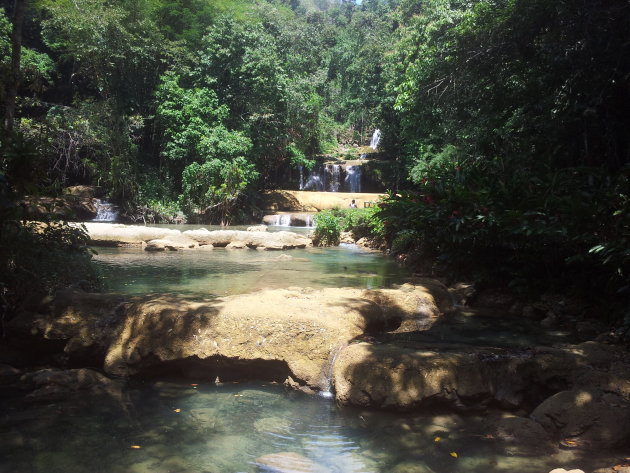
(114, 234)
(309, 201)
(286, 335)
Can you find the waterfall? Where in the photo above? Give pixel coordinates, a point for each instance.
(334, 170)
(301, 168)
(105, 212)
(314, 182)
(284, 220)
(376, 139)
(332, 178)
(353, 179)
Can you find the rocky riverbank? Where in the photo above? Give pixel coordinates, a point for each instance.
(396, 349)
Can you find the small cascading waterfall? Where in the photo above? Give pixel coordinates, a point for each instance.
(315, 180)
(289, 220)
(376, 139)
(353, 179)
(334, 181)
(105, 212)
(332, 178)
(284, 220)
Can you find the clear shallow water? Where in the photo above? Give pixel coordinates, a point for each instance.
(223, 272)
(179, 428)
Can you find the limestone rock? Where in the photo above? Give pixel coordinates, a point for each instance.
(55, 384)
(346, 237)
(257, 228)
(388, 376)
(108, 234)
(159, 245)
(288, 462)
(411, 467)
(562, 470)
(8, 374)
(272, 424)
(589, 417)
(270, 334)
(524, 437)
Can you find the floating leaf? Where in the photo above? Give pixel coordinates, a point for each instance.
(437, 439)
(454, 454)
(135, 446)
(177, 410)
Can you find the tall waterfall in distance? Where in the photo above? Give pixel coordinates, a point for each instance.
(376, 139)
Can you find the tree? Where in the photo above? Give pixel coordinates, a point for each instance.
(14, 75)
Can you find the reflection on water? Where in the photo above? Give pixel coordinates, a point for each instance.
(179, 428)
(222, 271)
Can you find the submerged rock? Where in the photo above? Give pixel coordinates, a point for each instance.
(586, 418)
(288, 462)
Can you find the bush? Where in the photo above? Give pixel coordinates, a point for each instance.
(362, 223)
(327, 230)
(36, 259)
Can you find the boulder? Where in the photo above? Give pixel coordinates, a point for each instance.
(407, 375)
(66, 207)
(160, 245)
(49, 385)
(346, 237)
(523, 437)
(288, 462)
(271, 334)
(562, 470)
(587, 418)
(301, 220)
(394, 377)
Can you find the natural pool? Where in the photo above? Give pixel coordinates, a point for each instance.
(176, 426)
(221, 272)
(169, 427)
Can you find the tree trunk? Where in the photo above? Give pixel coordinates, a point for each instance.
(16, 53)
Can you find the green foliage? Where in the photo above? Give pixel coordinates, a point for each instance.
(192, 120)
(38, 259)
(214, 187)
(327, 229)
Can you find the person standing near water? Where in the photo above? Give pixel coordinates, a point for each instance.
(353, 205)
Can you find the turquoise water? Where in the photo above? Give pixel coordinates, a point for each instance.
(189, 427)
(223, 272)
(183, 428)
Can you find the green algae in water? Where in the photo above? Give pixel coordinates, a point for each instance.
(203, 428)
